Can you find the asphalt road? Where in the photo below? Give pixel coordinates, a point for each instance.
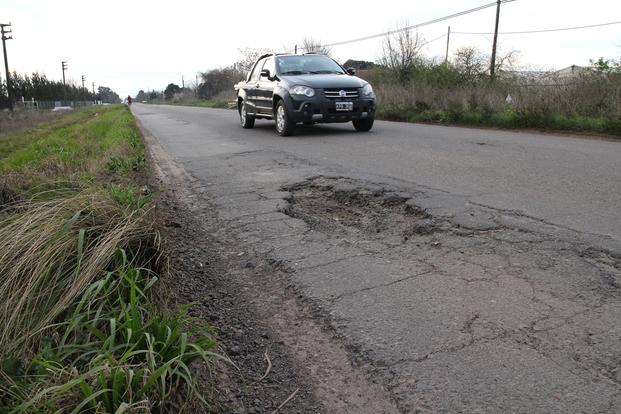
(573, 182)
(503, 296)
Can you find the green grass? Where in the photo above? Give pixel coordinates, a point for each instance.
(83, 137)
(114, 352)
(509, 118)
(80, 259)
(126, 164)
(130, 197)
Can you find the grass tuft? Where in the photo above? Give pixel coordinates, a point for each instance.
(50, 251)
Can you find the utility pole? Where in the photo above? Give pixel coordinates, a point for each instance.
(182, 82)
(448, 39)
(6, 35)
(83, 88)
(492, 67)
(64, 66)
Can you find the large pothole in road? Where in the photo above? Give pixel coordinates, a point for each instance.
(347, 206)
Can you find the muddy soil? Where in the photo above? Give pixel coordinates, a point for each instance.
(352, 208)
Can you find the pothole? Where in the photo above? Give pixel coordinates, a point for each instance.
(346, 206)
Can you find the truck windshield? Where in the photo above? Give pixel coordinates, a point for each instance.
(307, 64)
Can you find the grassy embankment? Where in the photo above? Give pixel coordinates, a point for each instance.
(589, 103)
(508, 119)
(80, 260)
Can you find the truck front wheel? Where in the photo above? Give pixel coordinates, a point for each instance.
(284, 125)
(363, 125)
(246, 121)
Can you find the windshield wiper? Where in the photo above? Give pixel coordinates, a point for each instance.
(320, 72)
(294, 72)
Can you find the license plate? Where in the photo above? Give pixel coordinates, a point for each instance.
(344, 106)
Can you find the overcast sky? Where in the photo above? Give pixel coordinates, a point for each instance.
(133, 45)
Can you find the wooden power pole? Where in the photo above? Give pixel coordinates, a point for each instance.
(448, 39)
(492, 67)
(64, 67)
(6, 35)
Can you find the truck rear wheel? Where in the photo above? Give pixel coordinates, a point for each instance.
(246, 121)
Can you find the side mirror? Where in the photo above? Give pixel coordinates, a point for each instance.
(351, 71)
(265, 73)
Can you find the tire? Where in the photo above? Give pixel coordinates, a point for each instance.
(246, 121)
(363, 125)
(284, 125)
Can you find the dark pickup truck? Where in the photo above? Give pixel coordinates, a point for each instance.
(309, 88)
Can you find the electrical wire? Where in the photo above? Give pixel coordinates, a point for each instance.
(433, 40)
(415, 26)
(541, 30)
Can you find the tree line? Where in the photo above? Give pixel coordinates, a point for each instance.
(38, 87)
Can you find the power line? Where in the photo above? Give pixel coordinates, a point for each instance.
(433, 40)
(415, 26)
(543, 30)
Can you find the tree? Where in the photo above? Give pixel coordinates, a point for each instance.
(602, 65)
(506, 61)
(401, 52)
(311, 45)
(471, 64)
(358, 64)
(216, 81)
(107, 95)
(247, 59)
(171, 90)
(141, 96)
(38, 87)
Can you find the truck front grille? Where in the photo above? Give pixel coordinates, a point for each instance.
(335, 94)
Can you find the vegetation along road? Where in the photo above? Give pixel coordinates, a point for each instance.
(423, 268)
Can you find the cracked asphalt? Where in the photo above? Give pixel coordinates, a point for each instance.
(461, 277)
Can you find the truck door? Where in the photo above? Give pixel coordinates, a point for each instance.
(264, 92)
(252, 87)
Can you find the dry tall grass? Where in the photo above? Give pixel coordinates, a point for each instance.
(50, 251)
(592, 96)
(21, 119)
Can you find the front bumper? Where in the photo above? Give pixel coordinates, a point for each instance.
(323, 110)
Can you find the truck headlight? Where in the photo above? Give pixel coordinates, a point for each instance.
(367, 91)
(302, 90)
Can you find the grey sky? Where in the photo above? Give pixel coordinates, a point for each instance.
(132, 45)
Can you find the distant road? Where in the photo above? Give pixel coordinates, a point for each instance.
(572, 182)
